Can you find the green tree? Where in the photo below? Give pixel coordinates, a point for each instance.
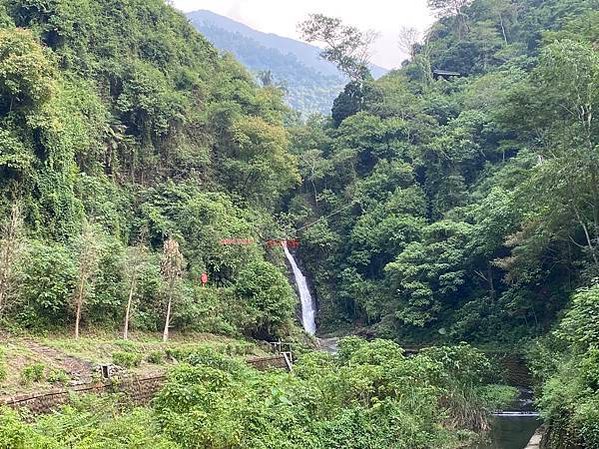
(171, 267)
(134, 264)
(269, 299)
(429, 274)
(346, 46)
(11, 251)
(26, 74)
(87, 254)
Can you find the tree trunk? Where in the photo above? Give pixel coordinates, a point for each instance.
(168, 319)
(587, 235)
(78, 311)
(128, 312)
(491, 283)
(502, 28)
(1, 295)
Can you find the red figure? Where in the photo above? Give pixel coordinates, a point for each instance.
(204, 279)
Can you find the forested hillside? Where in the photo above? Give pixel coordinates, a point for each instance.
(114, 144)
(460, 207)
(310, 83)
(457, 198)
(146, 180)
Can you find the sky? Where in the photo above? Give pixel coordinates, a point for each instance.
(281, 17)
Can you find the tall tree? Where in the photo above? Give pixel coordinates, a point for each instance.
(135, 263)
(88, 255)
(10, 250)
(172, 269)
(408, 40)
(452, 8)
(346, 46)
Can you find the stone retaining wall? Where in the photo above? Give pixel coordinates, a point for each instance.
(265, 363)
(137, 390)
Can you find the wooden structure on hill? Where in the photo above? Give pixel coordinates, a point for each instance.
(445, 74)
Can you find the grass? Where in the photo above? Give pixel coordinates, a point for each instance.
(17, 358)
(127, 359)
(98, 347)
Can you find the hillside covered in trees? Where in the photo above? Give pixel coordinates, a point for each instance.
(456, 198)
(111, 144)
(143, 176)
(460, 207)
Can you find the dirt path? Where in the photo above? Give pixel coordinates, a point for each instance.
(78, 369)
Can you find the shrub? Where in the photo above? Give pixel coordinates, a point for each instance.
(155, 357)
(58, 376)
(238, 349)
(33, 373)
(268, 297)
(210, 357)
(48, 279)
(586, 421)
(125, 345)
(579, 326)
(497, 397)
(126, 359)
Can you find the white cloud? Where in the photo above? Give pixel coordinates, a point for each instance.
(282, 16)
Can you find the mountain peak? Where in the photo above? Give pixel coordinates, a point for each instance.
(312, 82)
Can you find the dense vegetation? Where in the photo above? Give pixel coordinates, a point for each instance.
(430, 209)
(112, 142)
(466, 208)
(566, 363)
(370, 395)
(460, 208)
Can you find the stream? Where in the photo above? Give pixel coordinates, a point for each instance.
(513, 428)
(510, 429)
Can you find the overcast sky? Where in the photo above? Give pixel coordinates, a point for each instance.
(282, 16)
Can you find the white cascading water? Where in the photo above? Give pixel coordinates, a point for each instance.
(308, 308)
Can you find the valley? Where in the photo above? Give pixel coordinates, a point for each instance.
(225, 239)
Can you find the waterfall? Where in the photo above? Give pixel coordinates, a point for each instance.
(308, 308)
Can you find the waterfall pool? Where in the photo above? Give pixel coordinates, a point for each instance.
(511, 432)
(513, 429)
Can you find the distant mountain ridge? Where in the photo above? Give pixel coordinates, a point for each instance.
(312, 83)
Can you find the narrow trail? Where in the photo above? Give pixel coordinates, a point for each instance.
(78, 369)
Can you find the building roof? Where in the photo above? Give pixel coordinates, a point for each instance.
(446, 73)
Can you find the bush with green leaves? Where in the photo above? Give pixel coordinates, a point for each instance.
(58, 376)
(570, 382)
(127, 359)
(156, 357)
(370, 395)
(48, 280)
(267, 299)
(88, 422)
(34, 372)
